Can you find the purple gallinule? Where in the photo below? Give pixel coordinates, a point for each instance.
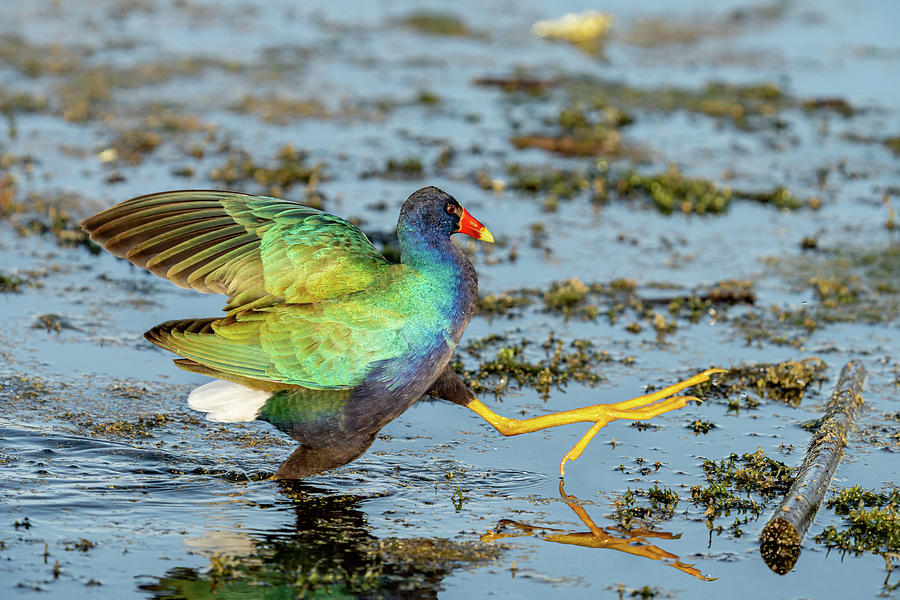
(322, 336)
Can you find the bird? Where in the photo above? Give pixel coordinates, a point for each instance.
(322, 336)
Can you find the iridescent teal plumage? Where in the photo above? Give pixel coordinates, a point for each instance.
(345, 340)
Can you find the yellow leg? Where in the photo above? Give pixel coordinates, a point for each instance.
(642, 407)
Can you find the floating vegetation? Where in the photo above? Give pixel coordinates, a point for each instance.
(871, 522)
(505, 303)
(618, 300)
(748, 107)
(671, 191)
(277, 109)
(584, 131)
(290, 170)
(837, 105)
(10, 283)
(786, 382)
(436, 23)
(670, 30)
(700, 426)
(561, 183)
(849, 285)
(754, 473)
(660, 506)
(52, 322)
(518, 83)
(569, 297)
(133, 145)
(34, 60)
(777, 325)
(757, 477)
(510, 366)
(400, 168)
(20, 102)
(139, 428)
(884, 433)
(44, 214)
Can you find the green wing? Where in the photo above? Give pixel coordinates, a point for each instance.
(255, 249)
(328, 345)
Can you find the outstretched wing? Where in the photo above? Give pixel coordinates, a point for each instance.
(255, 249)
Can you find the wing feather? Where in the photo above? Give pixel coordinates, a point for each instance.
(291, 345)
(255, 249)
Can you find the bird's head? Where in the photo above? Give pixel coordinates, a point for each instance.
(435, 212)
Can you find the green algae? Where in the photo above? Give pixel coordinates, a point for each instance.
(892, 143)
(504, 303)
(656, 32)
(81, 545)
(836, 105)
(871, 522)
(12, 103)
(52, 322)
(787, 381)
(569, 297)
(56, 223)
(504, 365)
(289, 170)
(281, 110)
(44, 214)
(746, 106)
(619, 302)
(403, 168)
(754, 473)
(10, 283)
(849, 285)
(756, 477)
(140, 428)
(583, 130)
(700, 426)
(671, 191)
(884, 432)
(659, 505)
(436, 23)
(561, 183)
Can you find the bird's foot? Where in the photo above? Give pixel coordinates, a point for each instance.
(641, 407)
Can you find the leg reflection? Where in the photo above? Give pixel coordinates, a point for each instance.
(633, 542)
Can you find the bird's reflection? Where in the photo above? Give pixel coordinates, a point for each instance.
(327, 549)
(634, 541)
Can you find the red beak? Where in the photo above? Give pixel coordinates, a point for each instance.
(470, 226)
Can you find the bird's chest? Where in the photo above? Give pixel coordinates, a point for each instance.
(435, 325)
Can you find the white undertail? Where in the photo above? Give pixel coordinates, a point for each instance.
(228, 402)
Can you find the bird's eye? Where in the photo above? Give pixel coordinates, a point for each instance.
(451, 209)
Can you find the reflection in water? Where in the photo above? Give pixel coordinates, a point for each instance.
(328, 550)
(635, 541)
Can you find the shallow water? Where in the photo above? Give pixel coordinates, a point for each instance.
(112, 487)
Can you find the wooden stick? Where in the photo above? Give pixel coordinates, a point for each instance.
(782, 537)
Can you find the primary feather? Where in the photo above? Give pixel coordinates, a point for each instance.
(254, 249)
